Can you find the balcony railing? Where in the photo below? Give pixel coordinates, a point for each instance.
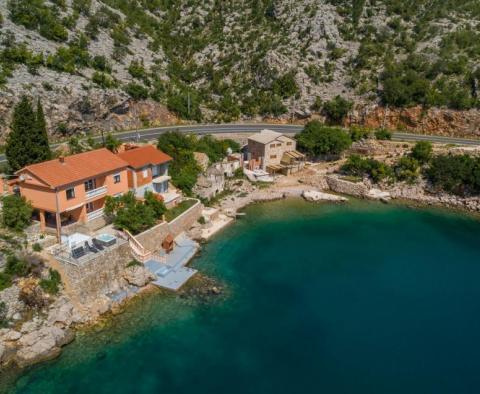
(99, 191)
(95, 214)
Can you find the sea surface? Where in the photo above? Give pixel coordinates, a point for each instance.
(355, 298)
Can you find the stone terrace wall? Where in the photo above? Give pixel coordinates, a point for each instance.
(100, 275)
(103, 274)
(346, 187)
(152, 239)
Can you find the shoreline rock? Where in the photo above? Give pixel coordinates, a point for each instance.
(315, 196)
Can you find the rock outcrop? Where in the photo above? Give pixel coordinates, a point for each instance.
(438, 121)
(138, 275)
(314, 196)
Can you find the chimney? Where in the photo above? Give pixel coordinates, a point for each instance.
(61, 159)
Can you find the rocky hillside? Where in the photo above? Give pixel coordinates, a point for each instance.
(116, 64)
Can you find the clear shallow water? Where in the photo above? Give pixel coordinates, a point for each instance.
(361, 298)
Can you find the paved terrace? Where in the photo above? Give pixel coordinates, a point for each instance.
(173, 274)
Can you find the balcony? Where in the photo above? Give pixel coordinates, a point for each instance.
(94, 215)
(99, 191)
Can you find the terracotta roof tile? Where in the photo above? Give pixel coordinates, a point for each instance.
(143, 156)
(76, 168)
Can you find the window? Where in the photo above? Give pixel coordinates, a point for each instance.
(70, 193)
(273, 156)
(289, 143)
(272, 146)
(278, 145)
(90, 207)
(145, 173)
(91, 184)
(116, 178)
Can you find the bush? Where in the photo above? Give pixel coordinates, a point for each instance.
(458, 174)
(359, 167)
(16, 212)
(5, 281)
(422, 151)
(52, 284)
(184, 169)
(130, 214)
(3, 314)
(383, 134)
(337, 109)
(153, 202)
(16, 266)
(407, 169)
(317, 139)
(359, 133)
(103, 80)
(137, 91)
(36, 247)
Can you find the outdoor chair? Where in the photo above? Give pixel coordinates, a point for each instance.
(78, 252)
(91, 248)
(97, 244)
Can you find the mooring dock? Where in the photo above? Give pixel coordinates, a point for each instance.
(172, 274)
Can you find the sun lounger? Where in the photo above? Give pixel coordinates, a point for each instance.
(78, 252)
(90, 247)
(98, 244)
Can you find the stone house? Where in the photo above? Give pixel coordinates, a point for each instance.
(274, 152)
(210, 183)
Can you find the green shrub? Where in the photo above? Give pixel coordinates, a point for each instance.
(3, 314)
(407, 169)
(5, 281)
(316, 139)
(383, 134)
(153, 202)
(359, 167)
(337, 109)
(52, 284)
(185, 103)
(422, 151)
(103, 80)
(285, 86)
(458, 174)
(130, 214)
(137, 91)
(16, 266)
(358, 133)
(16, 212)
(36, 247)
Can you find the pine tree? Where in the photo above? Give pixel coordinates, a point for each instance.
(19, 143)
(27, 142)
(40, 137)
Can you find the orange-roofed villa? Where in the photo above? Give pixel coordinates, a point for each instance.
(72, 190)
(148, 171)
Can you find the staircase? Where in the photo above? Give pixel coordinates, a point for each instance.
(140, 253)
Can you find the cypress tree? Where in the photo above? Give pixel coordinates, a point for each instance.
(19, 143)
(27, 142)
(40, 137)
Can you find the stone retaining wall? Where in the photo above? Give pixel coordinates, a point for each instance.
(103, 275)
(343, 186)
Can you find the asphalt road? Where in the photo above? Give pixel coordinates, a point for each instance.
(148, 134)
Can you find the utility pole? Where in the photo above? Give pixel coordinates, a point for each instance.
(188, 103)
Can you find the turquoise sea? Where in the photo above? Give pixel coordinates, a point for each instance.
(355, 298)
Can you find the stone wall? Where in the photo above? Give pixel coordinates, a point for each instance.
(343, 186)
(100, 275)
(103, 274)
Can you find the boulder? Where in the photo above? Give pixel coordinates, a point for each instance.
(313, 195)
(138, 276)
(42, 345)
(377, 194)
